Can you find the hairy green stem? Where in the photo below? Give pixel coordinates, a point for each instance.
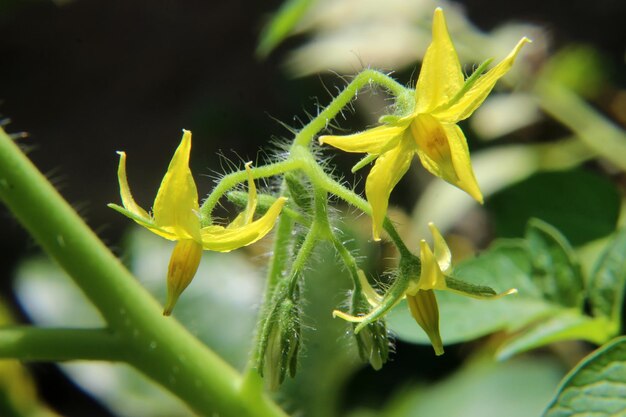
(305, 136)
(233, 179)
(159, 347)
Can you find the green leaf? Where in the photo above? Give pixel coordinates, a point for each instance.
(582, 205)
(281, 25)
(608, 279)
(566, 325)
(596, 387)
(555, 269)
(506, 265)
(520, 387)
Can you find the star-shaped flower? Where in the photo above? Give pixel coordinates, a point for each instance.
(442, 99)
(176, 217)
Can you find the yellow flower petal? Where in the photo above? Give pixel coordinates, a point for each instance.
(443, 151)
(176, 203)
(474, 97)
(440, 76)
(127, 198)
(431, 276)
(220, 239)
(183, 266)
(424, 309)
(247, 215)
(372, 141)
(442, 251)
(147, 223)
(385, 174)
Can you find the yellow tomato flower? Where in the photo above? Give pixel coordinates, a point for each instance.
(442, 99)
(435, 272)
(176, 217)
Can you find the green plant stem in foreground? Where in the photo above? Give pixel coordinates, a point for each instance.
(159, 347)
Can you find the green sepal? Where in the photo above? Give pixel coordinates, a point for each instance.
(468, 289)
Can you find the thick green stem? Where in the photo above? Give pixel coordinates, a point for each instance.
(48, 344)
(158, 346)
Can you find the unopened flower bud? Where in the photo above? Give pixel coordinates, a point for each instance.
(372, 340)
(280, 354)
(183, 266)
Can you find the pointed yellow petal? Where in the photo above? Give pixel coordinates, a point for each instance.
(442, 251)
(176, 203)
(424, 309)
(385, 174)
(431, 276)
(220, 239)
(183, 266)
(474, 97)
(373, 298)
(247, 215)
(370, 141)
(440, 76)
(443, 151)
(348, 317)
(127, 198)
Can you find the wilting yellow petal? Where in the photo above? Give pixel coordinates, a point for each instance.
(183, 266)
(466, 180)
(127, 198)
(440, 76)
(442, 251)
(478, 92)
(176, 202)
(385, 174)
(348, 317)
(220, 239)
(424, 309)
(247, 215)
(372, 141)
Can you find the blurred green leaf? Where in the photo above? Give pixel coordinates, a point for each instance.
(482, 388)
(281, 25)
(579, 68)
(565, 325)
(596, 387)
(581, 205)
(608, 280)
(555, 269)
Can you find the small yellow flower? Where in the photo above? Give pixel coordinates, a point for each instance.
(435, 272)
(442, 99)
(176, 217)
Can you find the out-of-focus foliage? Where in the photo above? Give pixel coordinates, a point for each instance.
(481, 388)
(550, 304)
(596, 386)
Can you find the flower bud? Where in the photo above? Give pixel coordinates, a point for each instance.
(280, 353)
(183, 266)
(372, 340)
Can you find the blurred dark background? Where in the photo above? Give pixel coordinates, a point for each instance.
(88, 78)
